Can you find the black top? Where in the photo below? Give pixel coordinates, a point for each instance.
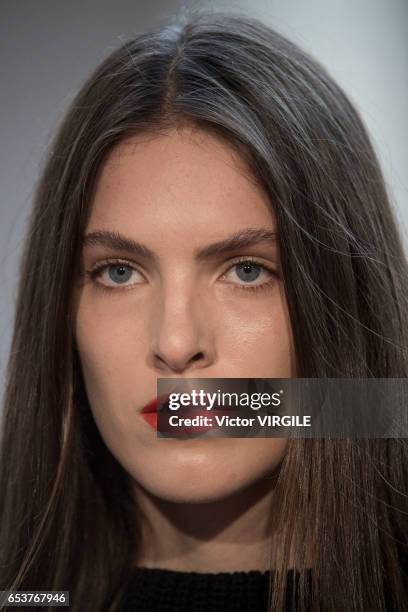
(159, 590)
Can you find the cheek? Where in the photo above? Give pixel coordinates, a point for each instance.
(257, 337)
(109, 349)
(109, 335)
(106, 327)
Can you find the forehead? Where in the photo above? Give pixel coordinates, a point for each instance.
(186, 180)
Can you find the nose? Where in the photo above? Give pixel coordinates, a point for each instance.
(182, 338)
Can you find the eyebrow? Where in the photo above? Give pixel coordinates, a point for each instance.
(244, 238)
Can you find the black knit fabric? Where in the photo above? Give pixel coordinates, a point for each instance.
(158, 590)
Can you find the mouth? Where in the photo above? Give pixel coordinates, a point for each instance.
(150, 413)
(150, 410)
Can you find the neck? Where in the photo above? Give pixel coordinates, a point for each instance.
(232, 534)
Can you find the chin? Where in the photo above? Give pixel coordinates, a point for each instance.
(194, 477)
(190, 490)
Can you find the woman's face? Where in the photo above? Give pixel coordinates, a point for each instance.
(173, 307)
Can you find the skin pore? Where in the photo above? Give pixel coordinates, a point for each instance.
(179, 309)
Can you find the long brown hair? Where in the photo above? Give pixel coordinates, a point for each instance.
(67, 517)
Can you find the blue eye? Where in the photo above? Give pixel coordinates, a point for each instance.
(119, 274)
(114, 274)
(248, 271)
(245, 274)
(250, 275)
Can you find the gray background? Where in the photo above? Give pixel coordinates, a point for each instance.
(48, 47)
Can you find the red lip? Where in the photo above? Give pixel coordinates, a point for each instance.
(149, 412)
(150, 418)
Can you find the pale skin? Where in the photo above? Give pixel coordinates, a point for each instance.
(205, 503)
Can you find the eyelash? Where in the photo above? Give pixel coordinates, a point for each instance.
(97, 270)
(264, 286)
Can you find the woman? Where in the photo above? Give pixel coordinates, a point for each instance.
(211, 207)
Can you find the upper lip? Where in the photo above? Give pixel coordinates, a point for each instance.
(153, 405)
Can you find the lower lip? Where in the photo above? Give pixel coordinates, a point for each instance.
(186, 431)
(150, 418)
